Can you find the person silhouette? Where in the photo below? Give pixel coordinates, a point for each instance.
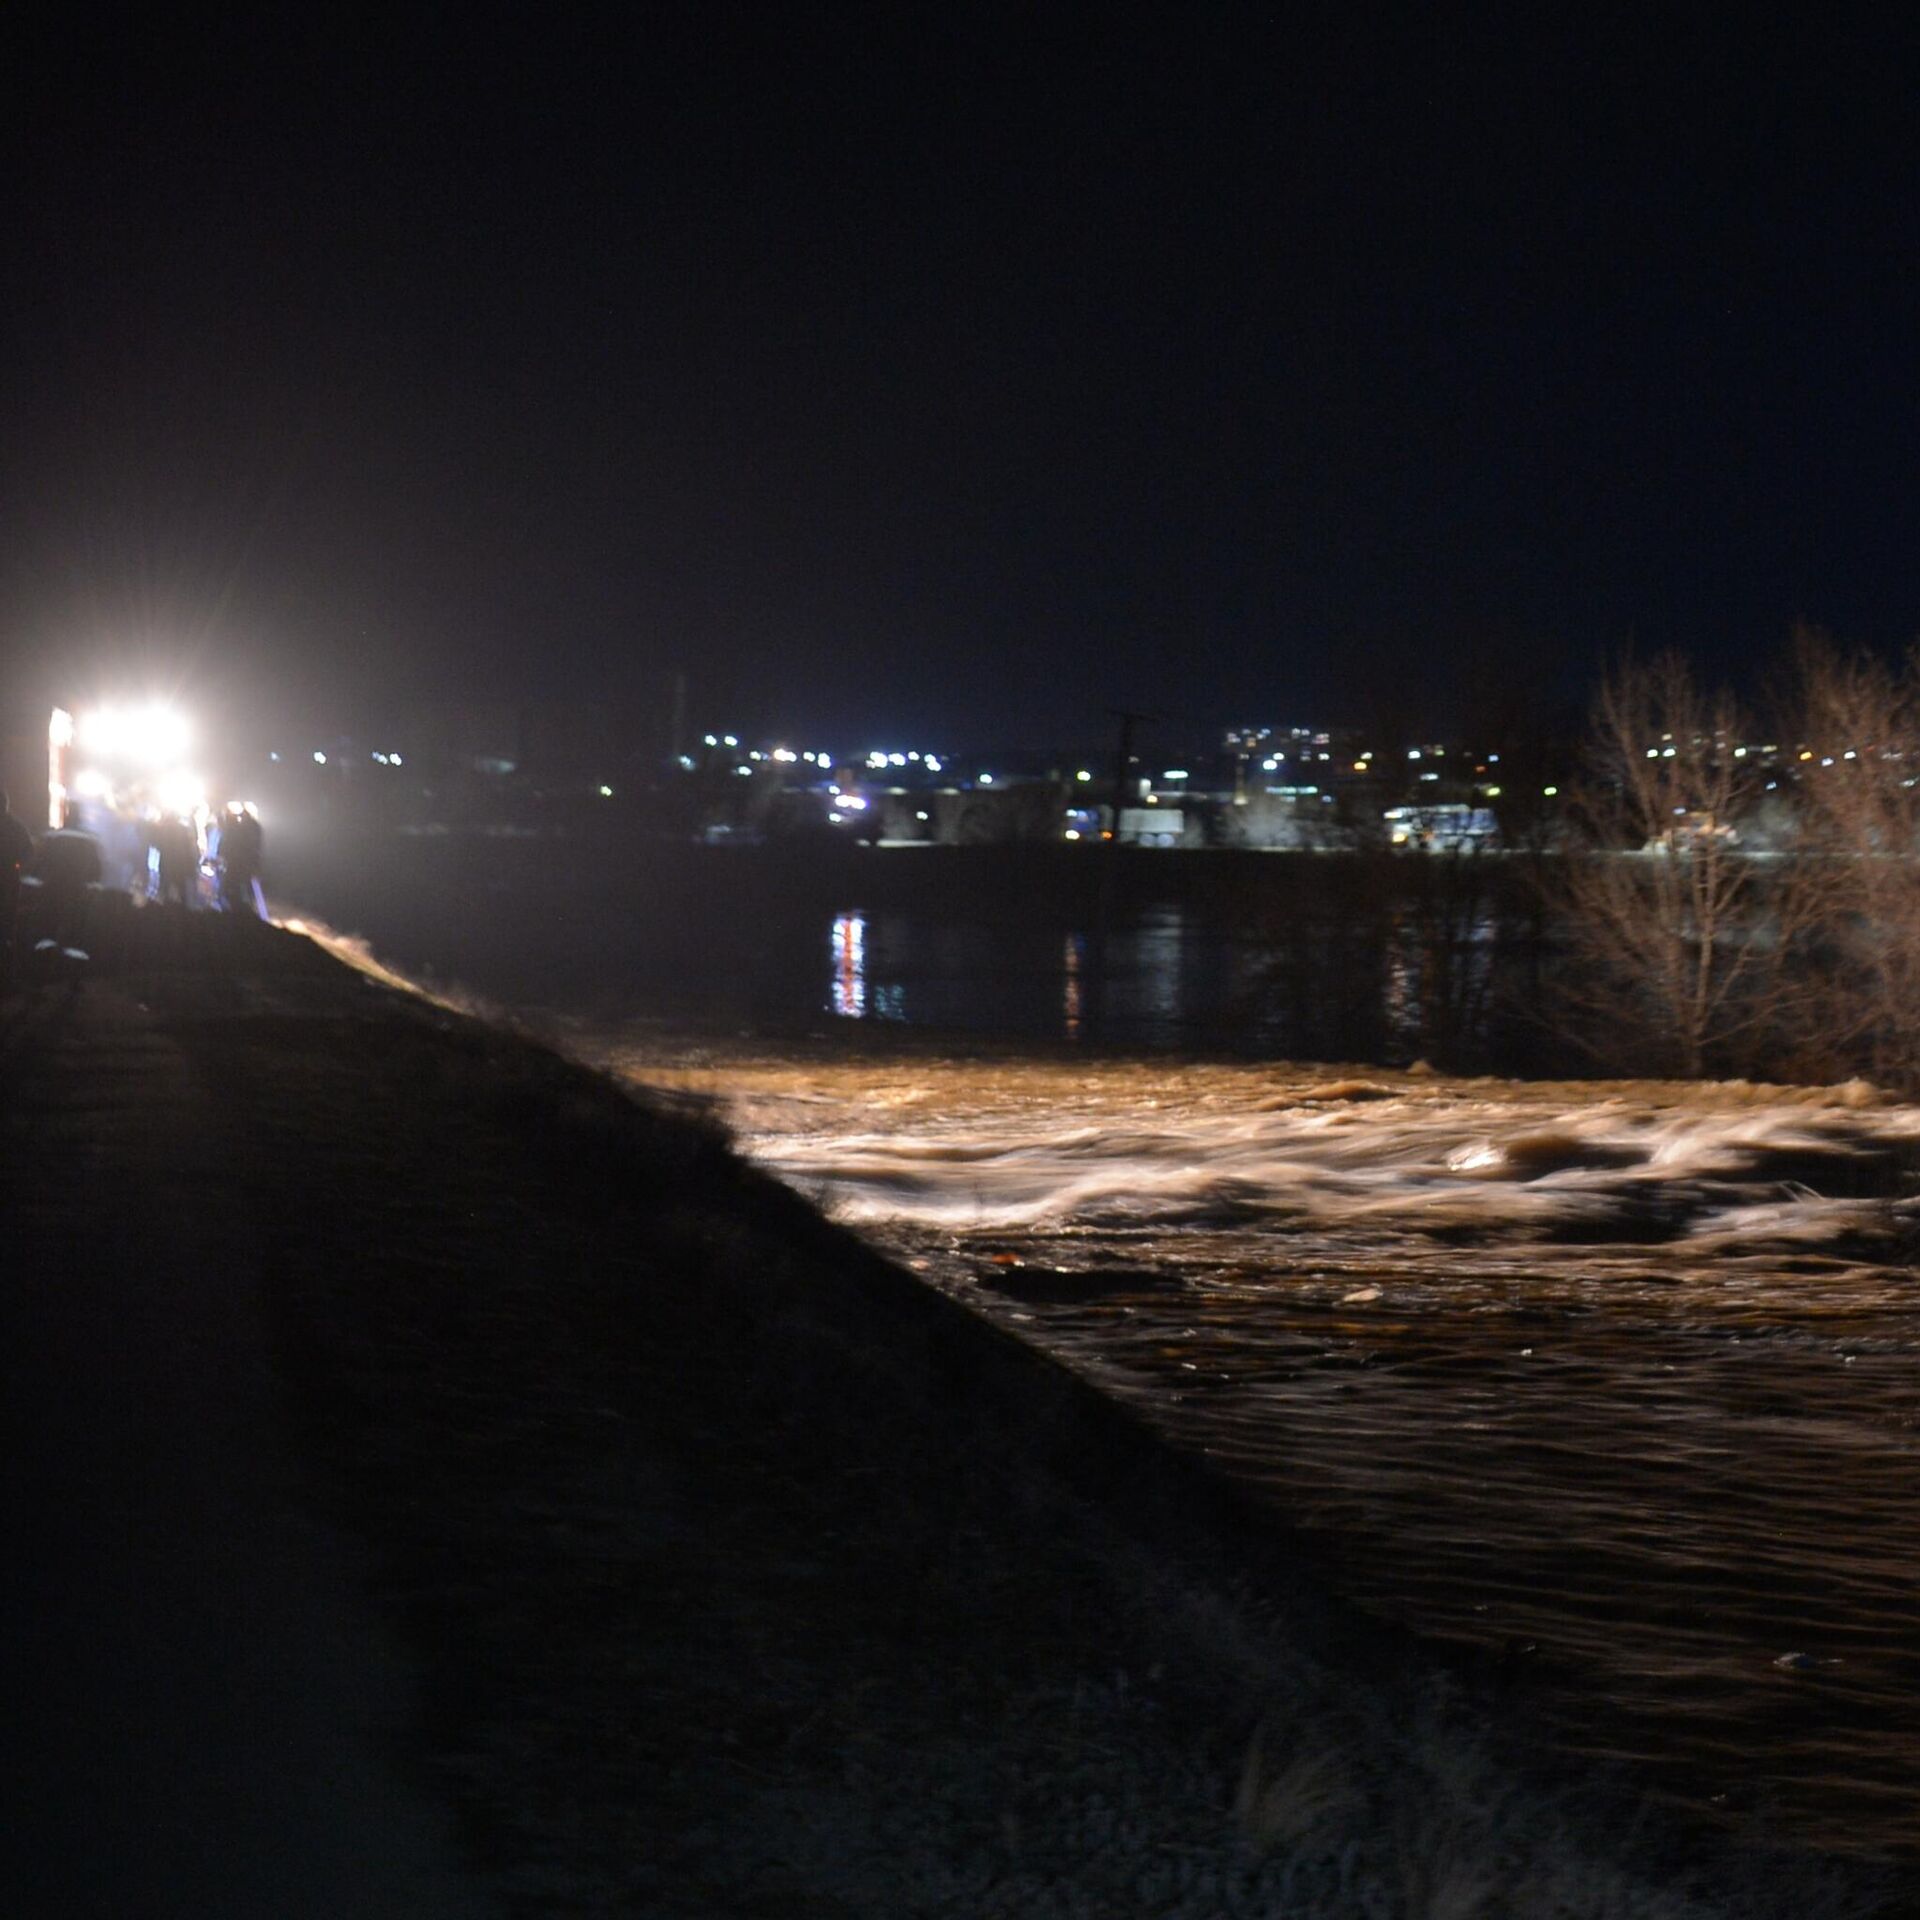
(177, 861)
(16, 851)
(240, 854)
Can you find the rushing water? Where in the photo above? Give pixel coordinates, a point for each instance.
(1619, 1379)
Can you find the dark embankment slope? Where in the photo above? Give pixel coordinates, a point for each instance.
(745, 1576)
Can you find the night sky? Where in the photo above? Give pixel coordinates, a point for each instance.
(927, 380)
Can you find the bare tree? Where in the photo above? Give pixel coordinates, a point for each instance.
(1674, 943)
(1858, 809)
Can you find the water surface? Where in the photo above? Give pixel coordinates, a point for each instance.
(1619, 1380)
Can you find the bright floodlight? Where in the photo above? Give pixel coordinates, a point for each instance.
(156, 735)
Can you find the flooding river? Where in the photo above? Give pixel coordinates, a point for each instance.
(1622, 1380)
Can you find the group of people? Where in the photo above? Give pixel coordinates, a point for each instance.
(62, 868)
(175, 861)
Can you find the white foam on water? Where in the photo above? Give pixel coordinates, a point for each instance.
(1727, 1164)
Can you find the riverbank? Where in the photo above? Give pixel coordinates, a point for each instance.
(733, 1571)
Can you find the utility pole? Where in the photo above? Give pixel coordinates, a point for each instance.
(1123, 763)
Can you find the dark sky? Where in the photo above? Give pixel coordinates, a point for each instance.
(947, 381)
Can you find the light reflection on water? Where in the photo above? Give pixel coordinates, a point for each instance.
(849, 994)
(1628, 1374)
(1158, 981)
(852, 994)
(1073, 993)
